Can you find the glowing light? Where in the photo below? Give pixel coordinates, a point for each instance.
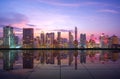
(18, 46)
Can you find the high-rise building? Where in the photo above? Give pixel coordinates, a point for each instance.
(70, 40)
(102, 37)
(115, 41)
(28, 37)
(49, 39)
(52, 38)
(83, 40)
(42, 38)
(70, 37)
(75, 41)
(16, 40)
(75, 33)
(59, 37)
(8, 37)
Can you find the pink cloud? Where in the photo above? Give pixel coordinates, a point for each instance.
(109, 11)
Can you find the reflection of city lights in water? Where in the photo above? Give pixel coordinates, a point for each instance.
(18, 46)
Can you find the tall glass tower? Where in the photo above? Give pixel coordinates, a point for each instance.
(8, 37)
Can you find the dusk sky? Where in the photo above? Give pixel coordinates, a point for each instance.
(90, 16)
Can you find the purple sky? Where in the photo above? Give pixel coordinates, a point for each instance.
(90, 16)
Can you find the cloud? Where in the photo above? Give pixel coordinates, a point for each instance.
(72, 4)
(31, 25)
(12, 18)
(109, 11)
(62, 30)
(17, 29)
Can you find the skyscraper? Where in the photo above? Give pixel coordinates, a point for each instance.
(75, 41)
(52, 38)
(114, 41)
(28, 37)
(59, 37)
(16, 40)
(8, 37)
(70, 40)
(83, 40)
(42, 38)
(75, 33)
(49, 39)
(101, 38)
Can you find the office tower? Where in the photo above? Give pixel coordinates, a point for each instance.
(52, 38)
(83, 40)
(28, 43)
(64, 42)
(8, 37)
(101, 38)
(49, 39)
(70, 37)
(58, 39)
(76, 42)
(42, 38)
(75, 33)
(16, 40)
(70, 40)
(115, 41)
(36, 42)
(28, 37)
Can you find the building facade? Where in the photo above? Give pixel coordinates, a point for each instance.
(8, 37)
(28, 37)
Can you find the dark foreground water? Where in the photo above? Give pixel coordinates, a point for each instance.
(56, 64)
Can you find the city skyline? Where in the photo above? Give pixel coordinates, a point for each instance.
(90, 17)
